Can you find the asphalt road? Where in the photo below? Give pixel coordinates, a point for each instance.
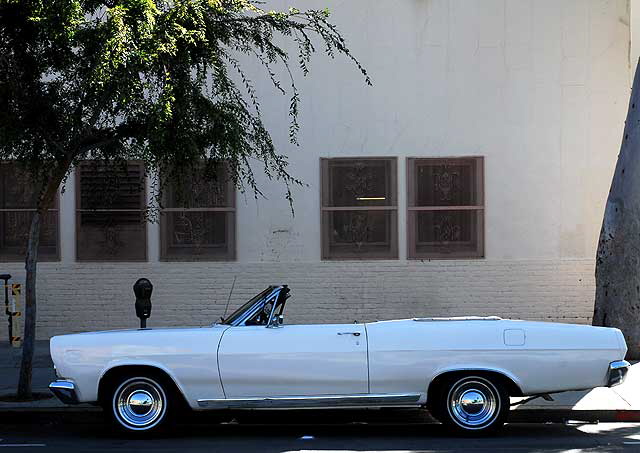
(360, 438)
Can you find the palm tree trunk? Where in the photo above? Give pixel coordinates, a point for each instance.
(618, 258)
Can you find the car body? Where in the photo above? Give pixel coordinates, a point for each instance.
(457, 367)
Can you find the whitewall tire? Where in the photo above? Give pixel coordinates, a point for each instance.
(139, 404)
(473, 405)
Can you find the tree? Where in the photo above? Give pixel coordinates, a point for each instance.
(618, 256)
(156, 80)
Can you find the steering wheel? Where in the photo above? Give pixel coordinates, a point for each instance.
(264, 315)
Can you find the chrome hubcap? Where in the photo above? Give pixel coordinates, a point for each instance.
(139, 403)
(473, 403)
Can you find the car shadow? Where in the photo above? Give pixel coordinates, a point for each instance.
(332, 436)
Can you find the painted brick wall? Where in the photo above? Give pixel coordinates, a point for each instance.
(89, 297)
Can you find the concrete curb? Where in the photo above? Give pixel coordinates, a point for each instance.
(87, 414)
(563, 416)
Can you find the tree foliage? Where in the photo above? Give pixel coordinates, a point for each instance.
(155, 80)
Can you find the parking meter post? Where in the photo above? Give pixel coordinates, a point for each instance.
(6, 278)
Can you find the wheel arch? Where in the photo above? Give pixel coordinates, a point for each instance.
(510, 382)
(109, 375)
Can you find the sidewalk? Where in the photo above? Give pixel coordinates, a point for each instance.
(10, 359)
(43, 374)
(621, 403)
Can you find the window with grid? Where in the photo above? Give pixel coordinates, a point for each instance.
(359, 208)
(18, 201)
(110, 212)
(445, 208)
(198, 218)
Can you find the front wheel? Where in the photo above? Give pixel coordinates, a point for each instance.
(473, 405)
(139, 404)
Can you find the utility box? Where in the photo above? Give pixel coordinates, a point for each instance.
(15, 307)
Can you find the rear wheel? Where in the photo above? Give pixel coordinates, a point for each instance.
(473, 405)
(140, 404)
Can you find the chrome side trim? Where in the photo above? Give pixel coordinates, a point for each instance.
(320, 401)
(459, 318)
(617, 372)
(65, 391)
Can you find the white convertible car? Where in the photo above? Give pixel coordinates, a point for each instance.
(462, 369)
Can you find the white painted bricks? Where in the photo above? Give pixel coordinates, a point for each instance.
(96, 296)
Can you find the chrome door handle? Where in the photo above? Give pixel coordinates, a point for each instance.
(355, 334)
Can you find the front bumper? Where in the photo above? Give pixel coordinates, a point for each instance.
(617, 372)
(65, 391)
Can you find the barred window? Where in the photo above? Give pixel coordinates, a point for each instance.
(18, 200)
(445, 208)
(359, 208)
(110, 207)
(198, 218)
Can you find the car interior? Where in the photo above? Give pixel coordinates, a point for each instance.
(271, 308)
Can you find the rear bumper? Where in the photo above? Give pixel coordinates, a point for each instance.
(617, 372)
(65, 391)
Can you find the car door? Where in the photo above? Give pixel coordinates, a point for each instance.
(294, 360)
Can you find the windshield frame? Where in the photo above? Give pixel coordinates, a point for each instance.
(245, 311)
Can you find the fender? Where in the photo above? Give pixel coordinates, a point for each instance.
(142, 362)
(456, 368)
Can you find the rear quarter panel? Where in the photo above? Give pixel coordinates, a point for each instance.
(188, 356)
(404, 356)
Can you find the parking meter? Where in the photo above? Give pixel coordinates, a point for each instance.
(143, 289)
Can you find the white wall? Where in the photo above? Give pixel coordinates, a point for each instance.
(538, 87)
(634, 22)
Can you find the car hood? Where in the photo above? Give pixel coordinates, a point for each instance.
(165, 338)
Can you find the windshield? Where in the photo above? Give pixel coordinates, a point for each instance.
(238, 313)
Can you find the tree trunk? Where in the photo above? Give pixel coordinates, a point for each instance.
(618, 256)
(31, 266)
(45, 200)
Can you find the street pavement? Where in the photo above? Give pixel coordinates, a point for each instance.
(55, 437)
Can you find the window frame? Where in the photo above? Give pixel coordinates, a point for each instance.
(230, 256)
(413, 209)
(78, 210)
(55, 208)
(324, 208)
